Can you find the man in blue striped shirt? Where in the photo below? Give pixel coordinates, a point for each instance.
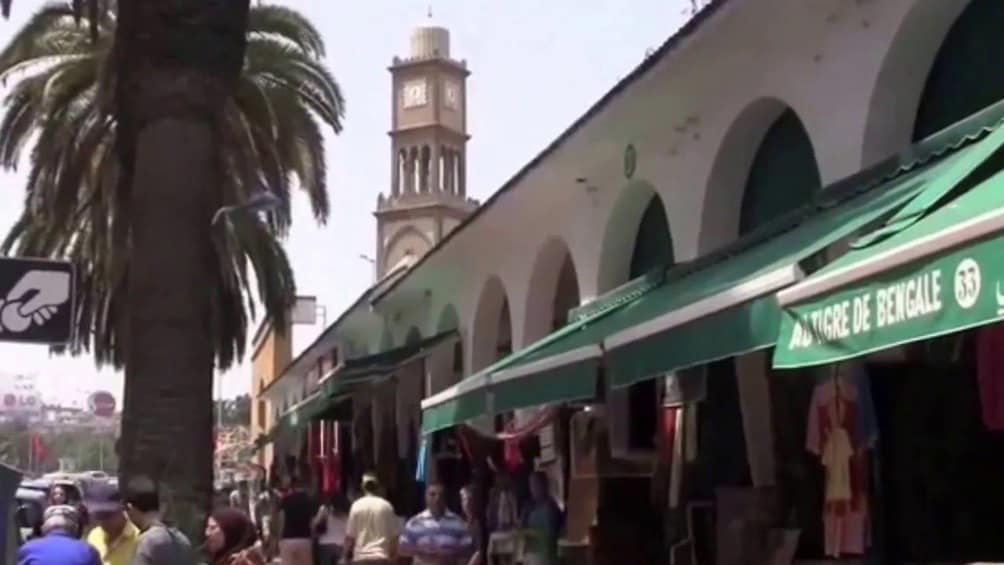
(436, 536)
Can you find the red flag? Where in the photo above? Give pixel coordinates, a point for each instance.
(38, 449)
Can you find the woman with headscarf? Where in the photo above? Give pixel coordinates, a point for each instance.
(231, 539)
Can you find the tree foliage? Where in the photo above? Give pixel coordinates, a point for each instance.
(236, 411)
(270, 138)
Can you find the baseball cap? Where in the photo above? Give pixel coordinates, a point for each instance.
(103, 498)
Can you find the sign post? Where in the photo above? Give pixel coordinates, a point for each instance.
(36, 300)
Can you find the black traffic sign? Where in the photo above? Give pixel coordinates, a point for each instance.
(36, 300)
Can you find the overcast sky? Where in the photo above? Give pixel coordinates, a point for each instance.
(545, 62)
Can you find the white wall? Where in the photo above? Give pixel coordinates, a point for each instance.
(852, 71)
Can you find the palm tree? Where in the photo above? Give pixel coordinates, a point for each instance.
(138, 134)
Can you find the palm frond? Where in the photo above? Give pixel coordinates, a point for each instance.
(77, 197)
(288, 25)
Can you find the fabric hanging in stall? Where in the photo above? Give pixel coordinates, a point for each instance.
(540, 420)
(833, 435)
(678, 454)
(423, 459)
(990, 375)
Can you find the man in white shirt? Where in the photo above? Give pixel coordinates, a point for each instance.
(372, 530)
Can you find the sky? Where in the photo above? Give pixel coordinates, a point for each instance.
(545, 62)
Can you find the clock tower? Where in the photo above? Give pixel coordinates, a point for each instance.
(428, 192)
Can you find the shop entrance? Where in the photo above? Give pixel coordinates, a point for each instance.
(941, 468)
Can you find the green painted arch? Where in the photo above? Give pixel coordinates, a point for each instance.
(783, 176)
(447, 320)
(966, 75)
(653, 242)
(636, 236)
(414, 335)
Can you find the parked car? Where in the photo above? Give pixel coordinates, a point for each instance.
(31, 504)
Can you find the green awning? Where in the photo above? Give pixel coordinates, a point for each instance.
(387, 362)
(561, 367)
(367, 370)
(940, 274)
(564, 366)
(725, 305)
(301, 414)
(459, 403)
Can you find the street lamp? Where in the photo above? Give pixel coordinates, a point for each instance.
(261, 201)
(371, 261)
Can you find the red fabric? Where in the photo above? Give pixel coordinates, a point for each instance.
(990, 375)
(38, 449)
(542, 419)
(464, 445)
(667, 435)
(511, 453)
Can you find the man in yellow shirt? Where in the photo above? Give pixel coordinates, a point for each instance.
(115, 536)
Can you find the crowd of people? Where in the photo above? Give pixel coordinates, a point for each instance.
(112, 529)
(295, 528)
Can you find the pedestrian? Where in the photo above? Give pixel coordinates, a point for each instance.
(59, 544)
(159, 544)
(436, 536)
(471, 507)
(231, 539)
(115, 537)
(371, 534)
(239, 497)
(296, 512)
(543, 522)
(330, 524)
(264, 509)
(58, 496)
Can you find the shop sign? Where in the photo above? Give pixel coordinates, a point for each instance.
(944, 294)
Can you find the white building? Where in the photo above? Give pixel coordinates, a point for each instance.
(739, 118)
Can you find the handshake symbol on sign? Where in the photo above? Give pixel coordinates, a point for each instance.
(35, 299)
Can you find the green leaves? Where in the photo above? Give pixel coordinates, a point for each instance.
(77, 197)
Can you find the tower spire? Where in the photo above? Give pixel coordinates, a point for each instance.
(428, 13)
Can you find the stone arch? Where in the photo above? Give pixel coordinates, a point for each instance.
(637, 239)
(552, 292)
(425, 162)
(414, 335)
(446, 364)
(783, 176)
(906, 65)
(413, 172)
(765, 167)
(448, 319)
(401, 242)
(965, 76)
(740, 156)
(491, 332)
(401, 170)
(386, 342)
(638, 199)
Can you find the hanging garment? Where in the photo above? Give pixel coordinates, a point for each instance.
(423, 460)
(867, 421)
(512, 457)
(834, 437)
(329, 474)
(990, 375)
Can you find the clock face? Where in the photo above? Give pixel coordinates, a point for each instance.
(414, 93)
(451, 95)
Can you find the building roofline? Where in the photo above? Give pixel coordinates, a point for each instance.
(361, 300)
(640, 71)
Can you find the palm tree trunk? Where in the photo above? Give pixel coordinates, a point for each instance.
(176, 61)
